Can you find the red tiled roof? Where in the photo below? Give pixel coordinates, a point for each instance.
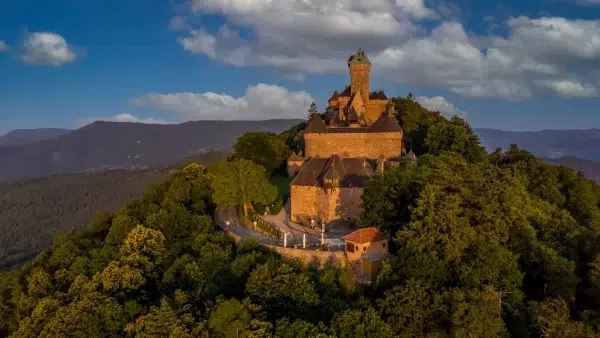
(366, 235)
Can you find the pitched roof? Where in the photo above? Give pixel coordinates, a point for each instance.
(386, 123)
(316, 125)
(334, 168)
(378, 95)
(366, 235)
(411, 155)
(346, 92)
(334, 96)
(352, 172)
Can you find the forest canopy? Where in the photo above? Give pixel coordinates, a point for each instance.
(485, 245)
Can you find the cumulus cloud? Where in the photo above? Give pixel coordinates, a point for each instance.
(46, 48)
(124, 117)
(440, 104)
(3, 46)
(260, 102)
(534, 57)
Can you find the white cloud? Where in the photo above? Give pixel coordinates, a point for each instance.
(317, 36)
(570, 88)
(3, 46)
(260, 102)
(45, 48)
(440, 104)
(178, 23)
(124, 117)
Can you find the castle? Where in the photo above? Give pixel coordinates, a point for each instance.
(358, 138)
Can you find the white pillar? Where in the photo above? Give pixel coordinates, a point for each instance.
(304, 241)
(323, 234)
(285, 239)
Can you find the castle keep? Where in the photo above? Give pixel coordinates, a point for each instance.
(358, 137)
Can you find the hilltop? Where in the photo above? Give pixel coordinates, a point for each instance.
(20, 137)
(122, 145)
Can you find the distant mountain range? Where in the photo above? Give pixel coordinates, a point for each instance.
(121, 145)
(20, 137)
(583, 144)
(577, 149)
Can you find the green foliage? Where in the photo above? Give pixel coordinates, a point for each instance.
(485, 246)
(266, 149)
(241, 183)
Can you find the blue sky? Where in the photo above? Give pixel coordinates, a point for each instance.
(519, 65)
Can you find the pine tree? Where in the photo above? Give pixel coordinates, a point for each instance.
(312, 110)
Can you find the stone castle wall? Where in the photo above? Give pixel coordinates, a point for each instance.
(320, 204)
(370, 145)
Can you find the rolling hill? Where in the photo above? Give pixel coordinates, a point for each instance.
(33, 211)
(20, 137)
(120, 145)
(584, 144)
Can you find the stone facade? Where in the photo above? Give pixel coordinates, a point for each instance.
(322, 204)
(358, 125)
(369, 145)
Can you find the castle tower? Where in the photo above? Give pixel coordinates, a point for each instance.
(360, 68)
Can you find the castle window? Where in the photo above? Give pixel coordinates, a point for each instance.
(349, 247)
(383, 245)
(364, 248)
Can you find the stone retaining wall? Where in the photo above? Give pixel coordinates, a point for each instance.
(319, 259)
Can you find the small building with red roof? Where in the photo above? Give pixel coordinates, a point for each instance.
(366, 250)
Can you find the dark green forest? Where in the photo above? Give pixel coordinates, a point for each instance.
(33, 210)
(485, 245)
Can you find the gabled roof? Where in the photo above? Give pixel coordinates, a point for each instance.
(351, 172)
(346, 92)
(386, 123)
(334, 168)
(316, 125)
(378, 95)
(411, 155)
(366, 235)
(293, 156)
(334, 96)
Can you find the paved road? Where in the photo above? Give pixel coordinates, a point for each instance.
(281, 221)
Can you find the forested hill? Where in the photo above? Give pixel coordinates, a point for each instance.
(485, 245)
(584, 144)
(103, 145)
(33, 211)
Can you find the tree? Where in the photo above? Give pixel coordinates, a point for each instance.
(266, 149)
(242, 183)
(312, 110)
